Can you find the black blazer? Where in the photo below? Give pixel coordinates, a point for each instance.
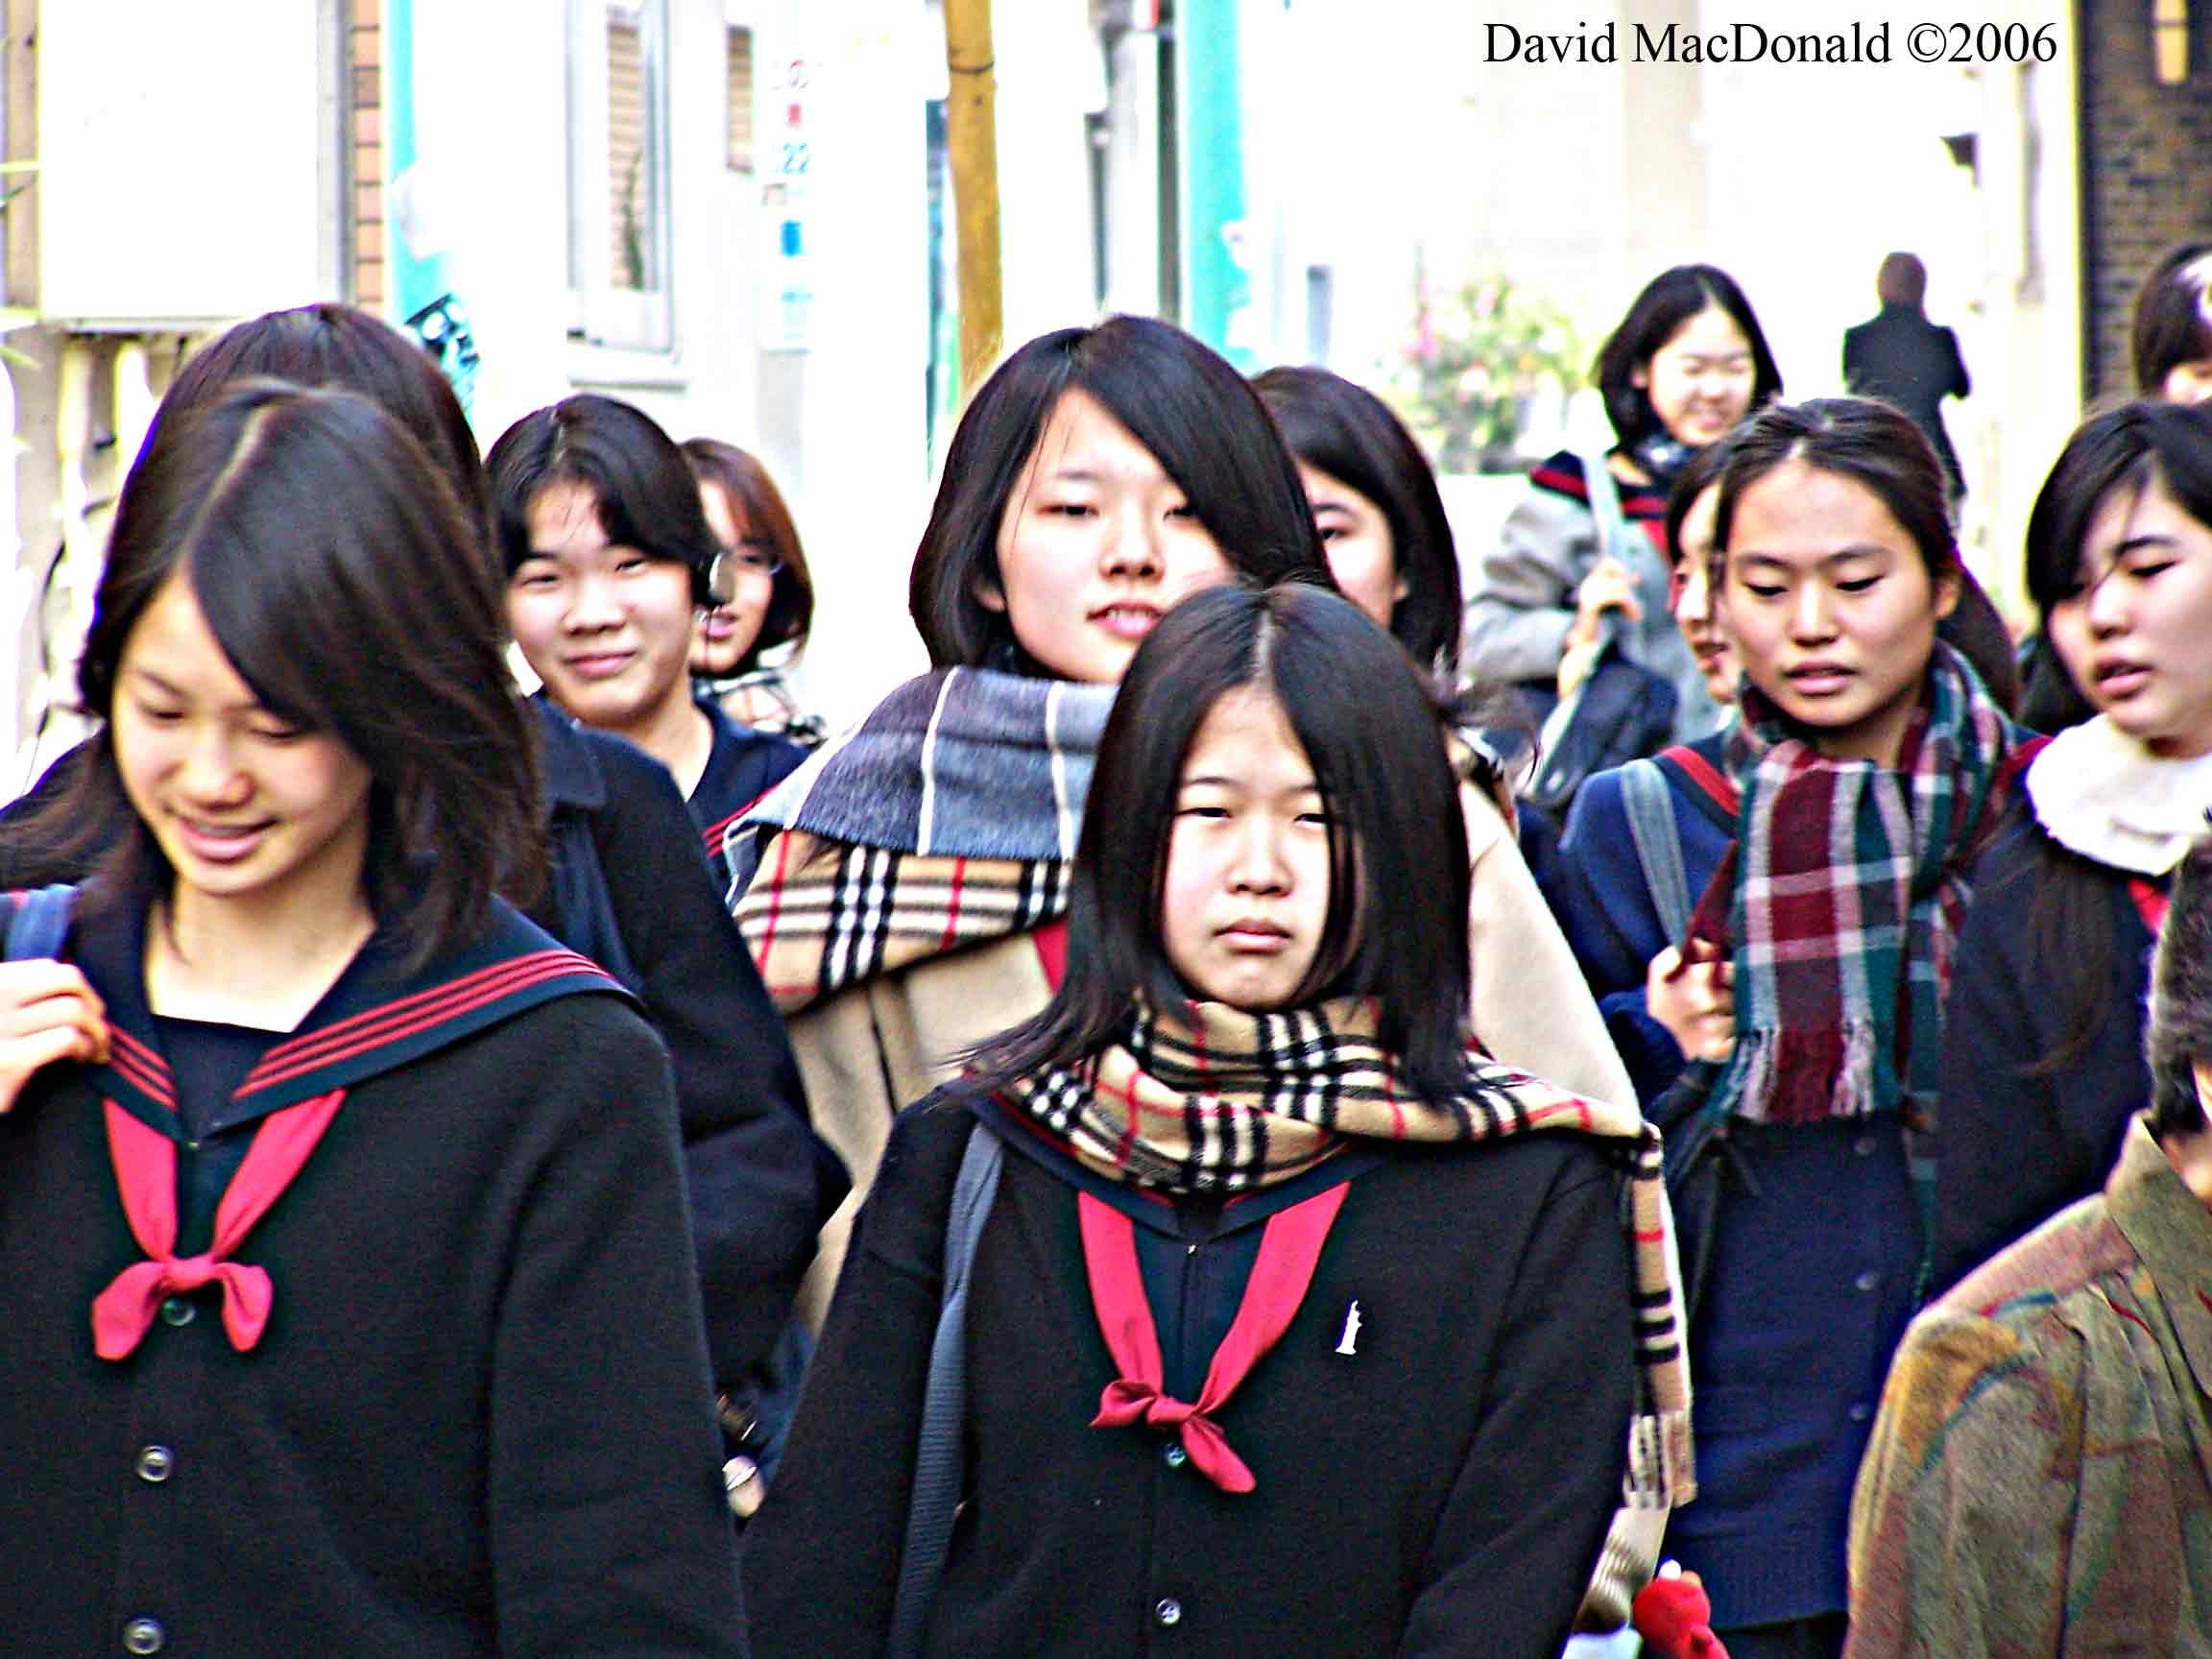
(1902, 358)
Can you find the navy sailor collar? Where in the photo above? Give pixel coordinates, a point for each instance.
(372, 1020)
(570, 771)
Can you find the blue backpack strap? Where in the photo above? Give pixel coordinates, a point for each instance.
(41, 922)
(1650, 803)
(937, 1465)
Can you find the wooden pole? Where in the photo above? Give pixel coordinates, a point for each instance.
(972, 144)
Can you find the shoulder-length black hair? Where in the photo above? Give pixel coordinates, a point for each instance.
(2124, 449)
(1669, 301)
(1867, 441)
(2177, 1036)
(330, 344)
(646, 495)
(2120, 449)
(757, 505)
(1398, 879)
(1197, 415)
(1698, 474)
(319, 541)
(2173, 316)
(1349, 433)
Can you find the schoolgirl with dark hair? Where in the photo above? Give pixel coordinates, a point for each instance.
(627, 884)
(1376, 504)
(1687, 535)
(901, 874)
(771, 605)
(328, 1168)
(1686, 364)
(1200, 427)
(610, 562)
(1250, 1177)
(2043, 1056)
(2171, 335)
(1781, 905)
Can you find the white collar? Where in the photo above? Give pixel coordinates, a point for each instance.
(2099, 792)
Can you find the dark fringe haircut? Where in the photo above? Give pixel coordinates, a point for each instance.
(643, 487)
(2173, 322)
(2120, 449)
(319, 541)
(1396, 921)
(758, 504)
(1343, 429)
(1199, 417)
(1668, 301)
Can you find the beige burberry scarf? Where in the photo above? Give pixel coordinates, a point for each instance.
(1219, 1101)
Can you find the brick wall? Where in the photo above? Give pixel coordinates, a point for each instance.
(365, 106)
(2146, 170)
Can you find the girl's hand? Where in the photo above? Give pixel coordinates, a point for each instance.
(1610, 586)
(48, 1012)
(1693, 996)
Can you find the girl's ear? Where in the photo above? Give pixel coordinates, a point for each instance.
(988, 594)
(1948, 587)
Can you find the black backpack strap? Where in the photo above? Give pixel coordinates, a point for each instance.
(41, 922)
(938, 1470)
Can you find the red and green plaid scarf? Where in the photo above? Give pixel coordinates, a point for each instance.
(1219, 1101)
(1845, 891)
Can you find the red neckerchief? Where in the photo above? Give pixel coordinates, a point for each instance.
(1289, 1251)
(146, 1178)
(366, 1025)
(2151, 901)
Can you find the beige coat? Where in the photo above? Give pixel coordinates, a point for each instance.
(876, 1046)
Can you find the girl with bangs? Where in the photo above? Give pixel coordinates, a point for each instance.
(1785, 1007)
(1242, 1174)
(903, 891)
(2043, 1055)
(627, 884)
(343, 1316)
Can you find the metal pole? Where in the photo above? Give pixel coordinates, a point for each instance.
(972, 148)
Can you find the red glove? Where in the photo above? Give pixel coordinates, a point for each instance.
(1674, 1616)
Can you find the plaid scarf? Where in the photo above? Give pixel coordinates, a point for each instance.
(1845, 891)
(1219, 1101)
(945, 818)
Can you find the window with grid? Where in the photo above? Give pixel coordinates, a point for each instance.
(618, 229)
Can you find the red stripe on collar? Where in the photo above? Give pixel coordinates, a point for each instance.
(141, 1066)
(408, 1016)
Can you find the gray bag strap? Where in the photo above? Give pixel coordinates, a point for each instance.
(1605, 508)
(41, 922)
(1650, 805)
(937, 1461)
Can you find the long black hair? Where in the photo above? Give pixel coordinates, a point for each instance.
(1668, 301)
(1396, 921)
(1197, 416)
(320, 541)
(2122, 449)
(2173, 323)
(1349, 433)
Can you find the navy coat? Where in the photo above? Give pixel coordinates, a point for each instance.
(2024, 1132)
(1814, 1262)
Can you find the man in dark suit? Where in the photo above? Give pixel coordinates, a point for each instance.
(1902, 358)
